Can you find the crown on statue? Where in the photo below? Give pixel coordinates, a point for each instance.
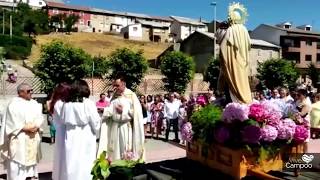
(237, 13)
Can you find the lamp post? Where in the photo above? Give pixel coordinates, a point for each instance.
(3, 22)
(214, 4)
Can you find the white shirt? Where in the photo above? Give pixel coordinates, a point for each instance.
(171, 109)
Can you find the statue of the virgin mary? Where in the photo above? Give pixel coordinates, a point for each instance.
(234, 56)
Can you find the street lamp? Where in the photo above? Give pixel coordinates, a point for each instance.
(214, 4)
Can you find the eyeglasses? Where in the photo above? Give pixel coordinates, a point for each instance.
(29, 91)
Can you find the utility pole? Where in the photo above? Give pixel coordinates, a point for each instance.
(92, 78)
(11, 20)
(214, 4)
(10, 26)
(3, 21)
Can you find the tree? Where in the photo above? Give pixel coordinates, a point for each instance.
(313, 73)
(277, 72)
(212, 73)
(70, 21)
(178, 70)
(28, 20)
(132, 64)
(100, 66)
(30, 26)
(57, 19)
(60, 62)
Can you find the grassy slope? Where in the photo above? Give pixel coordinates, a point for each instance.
(95, 44)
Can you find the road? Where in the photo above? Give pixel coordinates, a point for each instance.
(18, 65)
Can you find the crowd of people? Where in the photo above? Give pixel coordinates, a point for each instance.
(119, 120)
(165, 112)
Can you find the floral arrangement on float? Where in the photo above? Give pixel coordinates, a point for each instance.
(126, 168)
(257, 132)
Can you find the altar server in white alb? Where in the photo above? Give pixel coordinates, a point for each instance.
(20, 135)
(122, 129)
(82, 121)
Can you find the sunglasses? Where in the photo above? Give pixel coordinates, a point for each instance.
(29, 91)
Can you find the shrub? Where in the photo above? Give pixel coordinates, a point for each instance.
(19, 47)
(129, 63)
(60, 62)
(203, 122)
(278, 72)
(178, 70)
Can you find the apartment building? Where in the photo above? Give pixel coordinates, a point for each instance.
(182, 27)
(300, 44)
(84, 23)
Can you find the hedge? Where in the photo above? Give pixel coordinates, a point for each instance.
(19, 47)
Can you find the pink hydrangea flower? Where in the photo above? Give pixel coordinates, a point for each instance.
(286, 129)
(269, 133)
(186, 132)
(235, 111)
(128, 155)
(301, 133)
(265, 112)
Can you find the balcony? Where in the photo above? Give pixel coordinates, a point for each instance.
(293, 49)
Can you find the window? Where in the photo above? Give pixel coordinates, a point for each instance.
(318, 58)
(270, 54)
(135, 28)
(308, 58)
(259, 52)
(308, 42)
(40, 3)
(81, 22)
(55, 11)
(89, 23)
(288, 42)
(308, 28)
(318, 45)
(293, 56)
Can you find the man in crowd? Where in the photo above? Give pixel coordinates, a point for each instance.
(102, 103)
(20, 135)
(122, 129)
(171, 112)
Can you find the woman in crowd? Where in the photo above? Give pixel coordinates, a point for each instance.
(143, 103)
(304, 106)
(82, 122)
(315, 118)
(52, 128)
(149, 103)
(59, 96)
(183, 116)
(285, 96)
(156, 116)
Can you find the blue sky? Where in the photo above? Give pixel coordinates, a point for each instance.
(260, 11)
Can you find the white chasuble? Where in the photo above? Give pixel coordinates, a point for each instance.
(19, 149)
(121, 133)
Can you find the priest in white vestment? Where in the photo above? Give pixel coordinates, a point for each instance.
(81, 120)
(122, 129)
(20, 135)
